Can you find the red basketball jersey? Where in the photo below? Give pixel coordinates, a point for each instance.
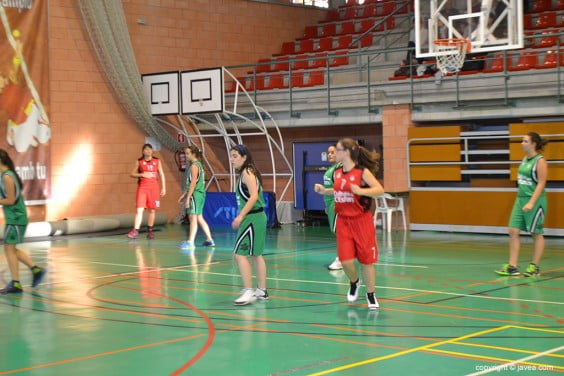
(151, 166)
(347, 203)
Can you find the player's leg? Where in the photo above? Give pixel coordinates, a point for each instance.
(206, 229)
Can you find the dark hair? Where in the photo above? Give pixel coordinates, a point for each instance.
(536, 138)
(195, 151)
(249, 163)
(7, 161)
(332, 146)
(143, 148)
(361, 155)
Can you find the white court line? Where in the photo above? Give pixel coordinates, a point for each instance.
(403, 266)
(511, 366)
(179, 268)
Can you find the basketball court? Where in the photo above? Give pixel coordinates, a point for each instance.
(109, 306)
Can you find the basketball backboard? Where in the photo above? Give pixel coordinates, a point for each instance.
(489, 25)
(162, 92)
(202, 91)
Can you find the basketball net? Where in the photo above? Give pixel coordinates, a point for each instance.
(453, 52)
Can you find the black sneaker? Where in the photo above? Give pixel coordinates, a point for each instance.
(38, 274)
(14, 287)
(352, 294)
(372, 301)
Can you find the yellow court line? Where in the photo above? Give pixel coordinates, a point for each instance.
(538, 329)
(504, 348)
(503, 360)
(415, 349)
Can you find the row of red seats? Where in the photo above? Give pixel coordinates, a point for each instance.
(350, 27)
(283, 63)
(546, 5)
(370, 10)
(323, 44)
(525, 60)
(280, 81)
(546, 39)
(543, 21)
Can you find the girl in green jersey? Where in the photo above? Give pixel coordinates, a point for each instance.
(195, 199)
(15, 215)
(250, 224)
(529, 209)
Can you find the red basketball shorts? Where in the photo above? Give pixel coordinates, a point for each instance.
(148, 197)
(356, 238)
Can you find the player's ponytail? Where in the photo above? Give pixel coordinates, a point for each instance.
(7, 161)
(539, 142)
(195, 152)
(361, 155)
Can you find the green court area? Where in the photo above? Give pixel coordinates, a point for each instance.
(110, 306)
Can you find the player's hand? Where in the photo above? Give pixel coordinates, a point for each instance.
(528, 207)
(181, 197)
(163, 192)
(356, 189)
(236, 222)
(319, 188)
(187, 205)
(147, 175)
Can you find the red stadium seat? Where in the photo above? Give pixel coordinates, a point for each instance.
(316, 78)
(297, 79)
(310, 32)
(306, 46)
(365, 25)
(497, 64)
(332, 15)
(288, 48)
(329, 30)
(325, 44)
(548, 40)
(343, 42)
(545, 20)
(559, 5)
(540, 6)
(301, 64)
(350, 13)
(339, 59)
(527, 60)
(320, 62)
(263, 66)
(367, 40)
(276, 81)
(347, 28)
(281, 64)
(386, 8)
(551, 59)
(369, 11)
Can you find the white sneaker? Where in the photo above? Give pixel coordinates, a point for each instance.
(372, 301)
(352, 294)
(247, 297)
(261, 294)
(335, 265)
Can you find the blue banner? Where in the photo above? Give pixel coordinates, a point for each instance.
(220, 208)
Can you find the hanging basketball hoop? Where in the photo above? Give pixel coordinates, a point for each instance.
(452, 54)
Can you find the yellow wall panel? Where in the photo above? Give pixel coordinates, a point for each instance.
(434, 153)
(475, 208)
(431, 132)
(436, 173)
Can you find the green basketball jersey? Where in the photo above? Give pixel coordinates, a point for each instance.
(14, 214)
(328, 183)
(527, 179)
(200, 179)
(242, 194)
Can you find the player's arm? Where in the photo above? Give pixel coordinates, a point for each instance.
(135, 172)
(319, 188)
(10, 187)
(374, 188)
(542, 172)
(163, 182)
(249, 179)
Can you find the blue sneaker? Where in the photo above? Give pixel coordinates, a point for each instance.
(186, 245)
(209, 243)
(38, 274)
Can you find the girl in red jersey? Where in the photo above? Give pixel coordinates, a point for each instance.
(147, 169)
(353, 189)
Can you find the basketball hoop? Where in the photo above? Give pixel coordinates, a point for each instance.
(452, 54)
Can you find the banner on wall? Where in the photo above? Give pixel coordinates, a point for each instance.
(25, 129)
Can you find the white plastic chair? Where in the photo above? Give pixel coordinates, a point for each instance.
(386, 210)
